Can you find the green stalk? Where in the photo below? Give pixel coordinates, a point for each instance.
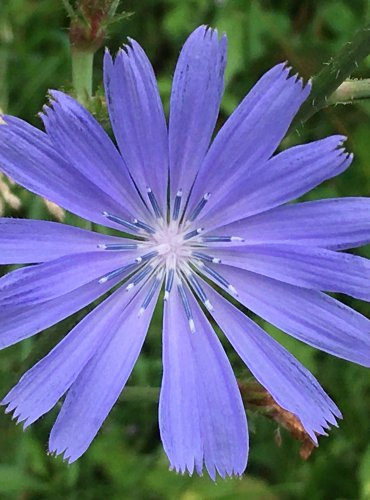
(82, 74)
(3, 79)
(338, 69)
(350, 91)
(5, 39)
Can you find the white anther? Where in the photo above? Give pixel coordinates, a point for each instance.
(208, 305)
(233, 290)
(192, 325)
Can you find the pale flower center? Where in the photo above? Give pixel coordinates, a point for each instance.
(174, 253)
(171, 244)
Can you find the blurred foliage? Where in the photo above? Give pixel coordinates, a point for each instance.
(126, 459)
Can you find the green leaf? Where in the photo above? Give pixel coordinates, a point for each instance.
(364, 475)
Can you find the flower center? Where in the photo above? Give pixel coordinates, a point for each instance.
(173, 253)
(172, 244)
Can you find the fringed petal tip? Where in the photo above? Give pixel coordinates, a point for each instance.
(293, 78)
(348, 158)
(324, 422)
(16, 413)
(14, 407)
(204, 30)
(48, 114)
(63, 454)
(53, 97)
(212, 470)
(126, 49)
(60, 101)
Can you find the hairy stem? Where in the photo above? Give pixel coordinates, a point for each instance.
(82, 74)
(329, 79)
(350, 91)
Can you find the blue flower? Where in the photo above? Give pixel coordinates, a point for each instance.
(195, 213)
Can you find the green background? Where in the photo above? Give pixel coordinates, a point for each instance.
(126, 459)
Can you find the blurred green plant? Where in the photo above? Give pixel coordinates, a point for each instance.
(126, 460)
(336, 70)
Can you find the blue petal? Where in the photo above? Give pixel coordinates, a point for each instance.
(285, 177)
(308, 267)
(36, 284)
(195, 100)
(19, 321)
(97, 388)
(29, 157)
(24, 241)
(308, 315)
(337, 223)
(137, 118)
(201, 414)
(82, 141)
(289, 383)
(252, 133)
(43, 385)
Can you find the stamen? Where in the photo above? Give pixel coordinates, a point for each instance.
(217, 277)
(196, 232)
(154, 287)
(118, 246)
(139, 276)
(169, 282)
(233, 290)
(177, 205)
(185, 303)
(117, 272)
(122, 222)
(199, 290)
(207, 258)
(147, 256)
(154, 203)
(199, 207)
(143, 225)
(221, 239)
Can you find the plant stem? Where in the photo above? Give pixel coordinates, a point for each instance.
(82, 74)
(5, 39)
(337, 70)
(3, 79)
(350, 91)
